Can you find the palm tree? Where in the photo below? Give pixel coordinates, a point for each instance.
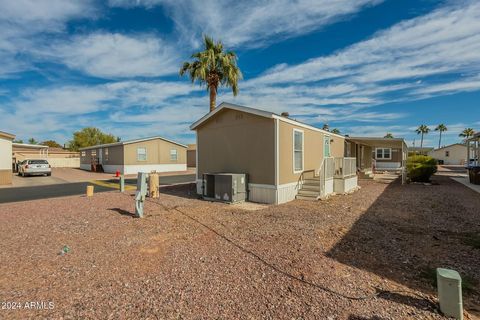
(467, 133)
(335, 130)
(326, 127)
(389, 135)
(213, 67)
(422, 129)
(441, 128)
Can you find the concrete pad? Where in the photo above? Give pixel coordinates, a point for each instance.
(466, 182)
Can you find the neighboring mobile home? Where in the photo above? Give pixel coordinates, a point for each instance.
(282, 157)
(378, 154)
(133, 156)
(6, 157)
(454, 154)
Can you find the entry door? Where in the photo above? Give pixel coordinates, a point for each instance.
(100, 156)
(326, 146)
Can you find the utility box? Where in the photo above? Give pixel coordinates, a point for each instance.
(225, 187)
(449, 284)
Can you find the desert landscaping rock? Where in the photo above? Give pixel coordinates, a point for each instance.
(193, 259)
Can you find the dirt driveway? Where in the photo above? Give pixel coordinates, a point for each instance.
(368, 255)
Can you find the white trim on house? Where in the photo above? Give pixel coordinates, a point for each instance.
(134, 169)
(293, 150)
(277, 152)
(258, 112)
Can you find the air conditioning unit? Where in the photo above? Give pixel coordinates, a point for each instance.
(225, 187)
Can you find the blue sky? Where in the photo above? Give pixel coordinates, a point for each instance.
(366, 67)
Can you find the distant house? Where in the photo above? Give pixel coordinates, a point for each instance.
(419, 151)
(133, 156)
(454, 154)
(56, 157)
(283, 158)
(6, 157)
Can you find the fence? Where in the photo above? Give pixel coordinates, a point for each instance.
(345, 167)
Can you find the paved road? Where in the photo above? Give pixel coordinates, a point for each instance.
(75, 188)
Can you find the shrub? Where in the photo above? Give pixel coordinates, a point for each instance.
(421, 168)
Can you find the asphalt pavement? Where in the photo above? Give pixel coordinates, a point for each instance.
(77, 188)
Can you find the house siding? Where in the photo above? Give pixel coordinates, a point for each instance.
(5, 160)
(239, 142)
(457, 154)
(313, 150)
(158, 152)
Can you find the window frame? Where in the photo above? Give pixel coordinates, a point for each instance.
(176, 155)
(144, 148)
(295, 171)
(383, 154)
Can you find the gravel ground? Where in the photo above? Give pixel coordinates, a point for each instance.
(194, 259)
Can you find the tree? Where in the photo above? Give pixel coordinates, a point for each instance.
(32, 141)
(18, 141)
(335, 130)
(51, 144)
(389, 135)
(467, 133)
(213, 67)
(440, 128)
(326, 127)
(90, 136)
(422, 129)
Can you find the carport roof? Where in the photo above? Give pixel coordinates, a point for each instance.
(7, 135)
(378, 142)
(120, 143)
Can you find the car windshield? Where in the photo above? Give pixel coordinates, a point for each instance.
(37, 162)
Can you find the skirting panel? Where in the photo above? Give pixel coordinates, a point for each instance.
(266, 193)
(134, 169)
(328, 187)
(342, 185)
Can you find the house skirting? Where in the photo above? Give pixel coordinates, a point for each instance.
(5, 176)
(134, 169)
(343, 185)
(267, 193)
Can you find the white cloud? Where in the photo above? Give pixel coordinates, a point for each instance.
(444, 42)
(114, 55)
(252, 23)
(23, 21)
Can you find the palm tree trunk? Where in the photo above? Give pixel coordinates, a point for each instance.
(213, 98)
(421, 143)
(440, 139)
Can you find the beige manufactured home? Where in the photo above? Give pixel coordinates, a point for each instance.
(6, 157)
(283, 158)
(454, 154)
(133, 156)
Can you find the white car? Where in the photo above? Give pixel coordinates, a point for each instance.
(34, 167)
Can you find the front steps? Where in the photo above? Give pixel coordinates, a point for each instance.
(367, 174)
(310, 190)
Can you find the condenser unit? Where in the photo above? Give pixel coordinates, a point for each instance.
(225, 187)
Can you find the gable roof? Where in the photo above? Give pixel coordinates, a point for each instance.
(120, 143)
(450, 145)
(7, 135)
(258, 112)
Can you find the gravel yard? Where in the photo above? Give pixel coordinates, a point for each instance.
(194, 259)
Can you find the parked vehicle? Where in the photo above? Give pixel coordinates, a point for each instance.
(34, 167)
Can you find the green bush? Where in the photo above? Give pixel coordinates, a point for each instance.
(421, 168)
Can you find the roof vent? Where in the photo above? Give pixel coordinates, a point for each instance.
(285, 114)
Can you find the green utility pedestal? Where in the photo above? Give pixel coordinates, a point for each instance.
(449, 284)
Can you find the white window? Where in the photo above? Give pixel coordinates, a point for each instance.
(173, 155)
(297, 151)
(383, 153)
(84, 153)
(141, 154)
